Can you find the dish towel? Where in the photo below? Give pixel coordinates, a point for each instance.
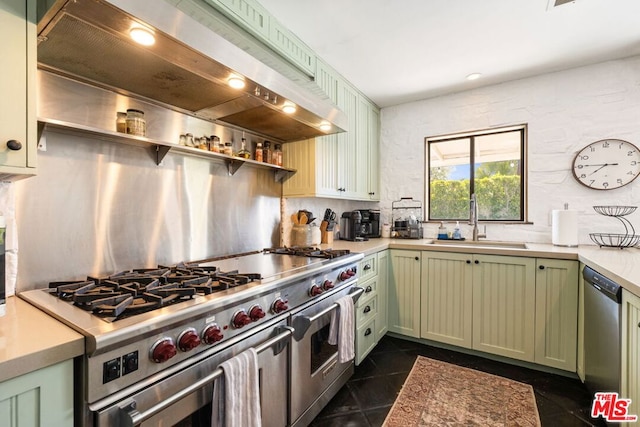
(236, 395)
(341, 331)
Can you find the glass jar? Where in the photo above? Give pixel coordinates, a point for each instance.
(136, 125)
(228, 149)
(121, 122)
(277, 155)
(214, 144)
(258, 156)
(266, 152)
(189, 140)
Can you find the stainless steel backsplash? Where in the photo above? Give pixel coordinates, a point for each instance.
(98, 207)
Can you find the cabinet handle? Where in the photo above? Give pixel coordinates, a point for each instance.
(14, 145)
(417, 258)
(638, 325)
(367, 332)
(476, 262)
(468, 261)
(367, 267)
(541, 267)
(367, 309)
(368, 289)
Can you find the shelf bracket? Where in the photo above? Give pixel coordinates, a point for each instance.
(159, 152)
(282, 175)
(233, 166)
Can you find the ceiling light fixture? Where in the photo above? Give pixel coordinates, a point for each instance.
(325, 126)
(142, 36)
(473, 76)
(236, 82)
(289, 107)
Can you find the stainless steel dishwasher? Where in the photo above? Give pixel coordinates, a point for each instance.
(602, 307)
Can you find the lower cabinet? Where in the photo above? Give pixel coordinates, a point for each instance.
(404, 292)
(40, 398)
(630, 345)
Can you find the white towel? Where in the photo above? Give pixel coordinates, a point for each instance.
(341, 331)
(236, 395)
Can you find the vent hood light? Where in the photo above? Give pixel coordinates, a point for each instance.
(325, 126)
(289, 107)
(473, 76)
(142, 36)
(236, 82)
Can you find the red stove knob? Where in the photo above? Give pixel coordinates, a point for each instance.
(240, 319)
(327, 285)
(212, 334)
(347, 274)
(256, 313)
(279, 306)
(163, 350)
(188, 340)
(315, 290)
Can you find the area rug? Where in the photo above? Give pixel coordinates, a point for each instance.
(441, 394)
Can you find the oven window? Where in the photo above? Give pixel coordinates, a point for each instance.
(321, 350)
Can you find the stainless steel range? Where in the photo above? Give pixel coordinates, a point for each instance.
(154, 338)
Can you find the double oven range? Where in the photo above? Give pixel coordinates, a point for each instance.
(154, 338)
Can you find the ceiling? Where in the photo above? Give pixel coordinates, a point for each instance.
(402, 51)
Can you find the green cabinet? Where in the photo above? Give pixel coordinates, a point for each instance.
(630, 346)
(40, 398)
(383, 290)
(404, 292)
(557, 313)
(17, 86)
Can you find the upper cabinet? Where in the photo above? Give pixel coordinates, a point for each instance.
(18, 128)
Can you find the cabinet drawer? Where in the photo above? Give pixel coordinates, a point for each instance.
(368, 267)
(370, 290)
(365, 339)
(366, 310)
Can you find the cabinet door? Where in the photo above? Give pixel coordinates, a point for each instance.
(630, 345)
(248, 13)
(504, 306)
(556, 313)
(346, 160)
(374, 153)
(404, 293)
(383, 286)
(17, 86)
(292, 47)
(39, 398)
(446, 296)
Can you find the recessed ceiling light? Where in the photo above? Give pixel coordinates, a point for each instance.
(236, 82)
(142, 36)
(289, 107)
(474, 76)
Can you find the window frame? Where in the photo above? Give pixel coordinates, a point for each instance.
(522, 128)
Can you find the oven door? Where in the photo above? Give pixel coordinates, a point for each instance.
(316, 374)
(185, 396)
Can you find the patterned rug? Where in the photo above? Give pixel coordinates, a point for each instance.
(441, 394)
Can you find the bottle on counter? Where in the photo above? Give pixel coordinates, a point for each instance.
(277, 155)
(266, 152)
(259, 151)
(244, 153)
(442, 232)
(136, 124)
(121, 122)
(456, 232)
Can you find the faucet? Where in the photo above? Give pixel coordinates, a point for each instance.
(473, 218)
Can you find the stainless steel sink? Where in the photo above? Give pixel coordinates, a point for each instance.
(481, 244)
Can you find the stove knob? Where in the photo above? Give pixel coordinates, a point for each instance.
(240, 319)
(279, 306)
(163, 350)
(315, 290)
(345, 275)
(327, 285)
(188, 340)
(256, 313)
(212, 334)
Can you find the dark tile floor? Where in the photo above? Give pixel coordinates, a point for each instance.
(367, 397)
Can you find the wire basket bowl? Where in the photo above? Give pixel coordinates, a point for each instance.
(615, 240)
(615, 210)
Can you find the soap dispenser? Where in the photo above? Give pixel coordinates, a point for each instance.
(442, 232)
(456, 232)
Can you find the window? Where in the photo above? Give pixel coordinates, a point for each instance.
(490, 163)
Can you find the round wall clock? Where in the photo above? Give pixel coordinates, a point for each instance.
(607, 164)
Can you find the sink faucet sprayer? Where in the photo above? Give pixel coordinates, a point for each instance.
(473, 218)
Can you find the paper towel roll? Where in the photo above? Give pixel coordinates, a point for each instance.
(564, 227)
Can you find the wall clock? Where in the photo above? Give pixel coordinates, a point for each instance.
(607, 164)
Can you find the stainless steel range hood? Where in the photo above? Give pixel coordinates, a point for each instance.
(187, 69)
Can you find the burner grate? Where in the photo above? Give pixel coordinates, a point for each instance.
(308, 251)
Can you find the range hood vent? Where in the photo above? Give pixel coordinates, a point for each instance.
(187, 69)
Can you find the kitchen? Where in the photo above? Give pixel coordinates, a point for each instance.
(565, 110)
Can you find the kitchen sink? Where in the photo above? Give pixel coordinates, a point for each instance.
(481, 244)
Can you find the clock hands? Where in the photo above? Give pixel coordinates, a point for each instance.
(601, 166)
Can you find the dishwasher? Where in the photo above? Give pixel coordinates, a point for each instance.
(602, 354)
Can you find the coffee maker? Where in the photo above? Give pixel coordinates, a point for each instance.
(370, 223)
(351, 226)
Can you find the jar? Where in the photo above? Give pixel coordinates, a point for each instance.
(266, 152)
(204, 143)
(258, 156)
(277, 155)
(301, 235)
(136, 125)
(228, 149)
(214, 144)
(189, 140)
(121, 122)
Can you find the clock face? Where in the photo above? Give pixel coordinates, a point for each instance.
(607, 164)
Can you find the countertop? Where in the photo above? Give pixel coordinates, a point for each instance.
(31, 340)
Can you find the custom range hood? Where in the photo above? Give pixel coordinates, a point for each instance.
(187, 69)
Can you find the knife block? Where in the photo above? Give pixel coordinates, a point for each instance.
(326, 237)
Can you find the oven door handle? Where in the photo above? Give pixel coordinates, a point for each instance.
(130, 416)
(301, 324)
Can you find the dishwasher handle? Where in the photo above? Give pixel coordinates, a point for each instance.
(603, 284)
